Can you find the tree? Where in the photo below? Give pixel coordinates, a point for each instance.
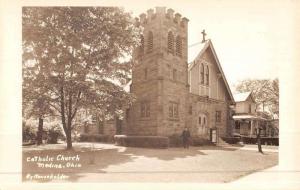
(35, 98)
(82, 52)
(265, 93)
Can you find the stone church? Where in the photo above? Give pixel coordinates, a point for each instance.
(171, 93)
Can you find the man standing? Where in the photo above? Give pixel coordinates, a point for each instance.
(185, 137)
(259, 140)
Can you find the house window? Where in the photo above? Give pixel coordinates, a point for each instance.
(204, 120)
(202, 73)
(178, 46)
(170, 43)
(207, 75)
(142, 46)
(173, 110)
(174, 74)
(249, 108)
(145, 109)
(150, 42)
(218, 116)
(199, 121)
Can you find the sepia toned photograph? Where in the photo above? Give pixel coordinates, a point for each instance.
(110, 97)
(135, 94)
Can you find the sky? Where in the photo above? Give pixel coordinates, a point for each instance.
(251, 38)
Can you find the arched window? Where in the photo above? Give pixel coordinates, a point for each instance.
(207, 75)
(150, 42)
(142, 46)
(170, 43)
(202, 73)
(178, 46)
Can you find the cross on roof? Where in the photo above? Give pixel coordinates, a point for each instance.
(203, 36)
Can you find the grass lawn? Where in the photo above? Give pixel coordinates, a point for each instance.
(110, 163)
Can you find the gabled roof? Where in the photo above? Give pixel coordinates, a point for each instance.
(240, 97)
(203, 47)
(194, 50)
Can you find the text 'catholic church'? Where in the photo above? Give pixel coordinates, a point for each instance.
(171, 93)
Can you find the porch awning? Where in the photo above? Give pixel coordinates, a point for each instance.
(247, 117)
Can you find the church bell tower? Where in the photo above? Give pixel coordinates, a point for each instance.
(159, 76)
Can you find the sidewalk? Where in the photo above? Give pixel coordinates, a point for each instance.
(265, 148)
(203, 164)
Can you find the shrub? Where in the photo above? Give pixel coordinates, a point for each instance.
(142, 141)
(53, 133)
(28, 132)
(84, 137)
(198, 141)
(52, 136)
(249, 140)
(231, 140)
(264, 140)
(270, 141)
(175, 141)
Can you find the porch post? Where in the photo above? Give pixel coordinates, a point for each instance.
(251, 129)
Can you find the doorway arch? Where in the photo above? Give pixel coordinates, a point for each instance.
(202, 124)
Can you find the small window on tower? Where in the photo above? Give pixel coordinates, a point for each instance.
(176, 110)
(173, 110)
(174, 74)
(178, 46)
(150, 42)
(170, 110)
(145, 109)
(142, 46)
(145, 73)
(170, 43)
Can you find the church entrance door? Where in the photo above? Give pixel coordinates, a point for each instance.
(202, 124)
